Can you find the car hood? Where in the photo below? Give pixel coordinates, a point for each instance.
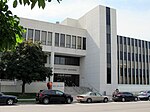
(10, 96)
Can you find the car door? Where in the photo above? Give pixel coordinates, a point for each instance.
(93, 96)
(99, 97)
(51, 94)
(2, 98)
(129, 96)
(60, 96)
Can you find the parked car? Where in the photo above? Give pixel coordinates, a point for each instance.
(92, 97)
(144, 95)
(7, 99)
(125, 96)
(47, 96)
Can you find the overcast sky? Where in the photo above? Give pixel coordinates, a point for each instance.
(133, 16)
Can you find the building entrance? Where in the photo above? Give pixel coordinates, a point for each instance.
(68, 79)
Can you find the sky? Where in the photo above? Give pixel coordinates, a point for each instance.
(133, 16)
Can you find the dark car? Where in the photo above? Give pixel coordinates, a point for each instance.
(48, 96)
(8, 99)
(124, 96)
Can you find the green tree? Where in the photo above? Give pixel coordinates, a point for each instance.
(41, 3)
(26, 63)
(10, 30)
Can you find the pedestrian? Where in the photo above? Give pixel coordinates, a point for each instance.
(49, 85)
(115, 92)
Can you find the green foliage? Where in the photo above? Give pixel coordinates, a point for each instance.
(26, 63)
(41, 3)
(10, 30)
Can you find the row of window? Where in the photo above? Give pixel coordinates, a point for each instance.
(67, 60)
(108, 41)
(135, 57)
(141, 77)
(61, 40)
(133, 42)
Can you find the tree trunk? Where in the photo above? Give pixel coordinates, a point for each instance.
(23, 87)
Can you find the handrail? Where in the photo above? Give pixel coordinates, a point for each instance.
(92, 88)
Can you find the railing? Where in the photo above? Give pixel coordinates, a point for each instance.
(92, 88)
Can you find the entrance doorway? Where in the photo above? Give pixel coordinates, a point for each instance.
(69, 79)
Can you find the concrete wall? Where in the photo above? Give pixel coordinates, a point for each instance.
(94, 65)
(133, 88)
(34, 87)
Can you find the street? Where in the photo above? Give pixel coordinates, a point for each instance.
(140, 106)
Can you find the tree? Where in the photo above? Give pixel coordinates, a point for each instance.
(26, 63)
(41, 3)
(10, 30)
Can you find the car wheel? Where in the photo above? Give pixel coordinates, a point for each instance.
(105, 100)
(149, 98)
(89, 100)
(135, 99)
(69, 100)
(123, 100)
(10, 101)
(45, 100)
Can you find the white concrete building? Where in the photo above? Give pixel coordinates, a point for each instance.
(83, 52)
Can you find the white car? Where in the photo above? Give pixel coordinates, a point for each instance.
(144, 95)
(92, 97)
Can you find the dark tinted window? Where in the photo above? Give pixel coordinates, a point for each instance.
(48, 92)
(128, 41)
(124, 40)
(59, 93)
(84, 43)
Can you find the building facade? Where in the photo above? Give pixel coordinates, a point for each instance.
(87, 52)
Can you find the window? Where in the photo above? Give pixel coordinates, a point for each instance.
(125, 41)
(136, 42)
(30, 34)
(66, 60)
(74, 42)
(121, 55)
(128, 41)
(68, 41)
(109, 58)
(143, 44)
(59, 93)
(107, 16)
(49, 39)
(43, 37)
(56, 39)
(79, 43)
(37, 35)
(108, 75)
(132, 56)
(84, 43)
(62, 40)
(24, 34)
(125, 56)
(120, 39)
(132, 42)
(129, 57)
(139, 43)
(140, 57)
(108, 29)
(143, 58)
(136, 57)
(108, 39)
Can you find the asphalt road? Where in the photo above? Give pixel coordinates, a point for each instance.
(140, 106)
